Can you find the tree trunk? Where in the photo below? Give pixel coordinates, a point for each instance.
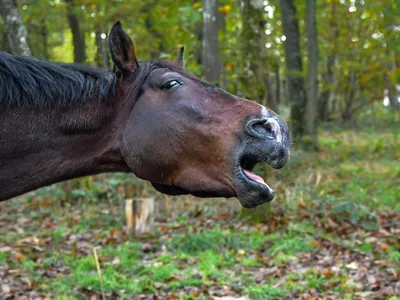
(327, 90)
(297, 96)
(4, 45)
(285, 91)
(222, 27)
(349, 96)
(99, 46)
(17, 34)
(393, 54)
(139, 215)
(329, 77)
(210, 57)
(253, 78)
(149, 23)
(102, 53)
(271, 99)
(393, 96)
(198, 51)
(312, 85)
(391, 83)
(44, 36)
(278, 85)
(78, 37)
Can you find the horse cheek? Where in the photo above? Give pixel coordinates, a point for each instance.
(143, 149)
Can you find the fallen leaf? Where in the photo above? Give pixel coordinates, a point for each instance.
(116, 261)
(371, 279)
(316, 244)
(19, 256)
(5, 288)
(5, 249)
(302, 204)
(331, 223)
(177, 277)
(328, 273)
(353, 265)
(164, 228)
(384, 247)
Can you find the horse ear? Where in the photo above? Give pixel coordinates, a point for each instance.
(179, 60)
(122, 50)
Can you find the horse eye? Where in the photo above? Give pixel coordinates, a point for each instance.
(170, 84)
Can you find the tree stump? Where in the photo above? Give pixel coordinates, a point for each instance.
(139, 215)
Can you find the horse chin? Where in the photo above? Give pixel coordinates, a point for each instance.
(173, 190)
(252, 193)
(169, 189)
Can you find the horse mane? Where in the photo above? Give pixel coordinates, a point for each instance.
(26, 80)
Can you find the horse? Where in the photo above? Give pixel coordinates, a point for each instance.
(149, 118)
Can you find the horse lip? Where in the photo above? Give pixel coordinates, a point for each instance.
(250, 193)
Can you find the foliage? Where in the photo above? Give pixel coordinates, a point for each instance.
(362, 37)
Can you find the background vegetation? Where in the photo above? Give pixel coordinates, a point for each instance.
(331, 68)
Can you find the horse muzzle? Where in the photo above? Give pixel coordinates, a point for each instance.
(267, 139)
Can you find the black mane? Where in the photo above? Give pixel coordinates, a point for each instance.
(25, 80)
(28, 81)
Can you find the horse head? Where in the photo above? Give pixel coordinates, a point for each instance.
(187, 136)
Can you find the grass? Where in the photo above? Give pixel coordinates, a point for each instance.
(191, 260)
(264, 292)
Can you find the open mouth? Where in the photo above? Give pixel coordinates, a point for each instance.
(252, 190)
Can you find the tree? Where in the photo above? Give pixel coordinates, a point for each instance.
(255, 79)
(16, 31)
(312, 85)
(210, 60)
(332, 48)
(102, 53)
(390, 80)
(297, 96)
(102, 48)
(77, 36)
(390, 22)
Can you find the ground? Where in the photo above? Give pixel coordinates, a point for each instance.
(333, 232)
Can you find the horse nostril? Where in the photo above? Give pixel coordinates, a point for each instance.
(265, 128)
(258, 128)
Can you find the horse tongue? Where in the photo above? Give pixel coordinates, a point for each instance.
(254, 176)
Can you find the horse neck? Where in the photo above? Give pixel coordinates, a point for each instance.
(44, 146)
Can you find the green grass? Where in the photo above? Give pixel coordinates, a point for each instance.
(209, 263)
(208, 257)
(264, 292)
(3, 257)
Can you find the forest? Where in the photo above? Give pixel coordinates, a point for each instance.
(330, 68)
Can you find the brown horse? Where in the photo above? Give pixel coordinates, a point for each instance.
(153, 119)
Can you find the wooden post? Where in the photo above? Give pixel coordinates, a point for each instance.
(139, 215)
